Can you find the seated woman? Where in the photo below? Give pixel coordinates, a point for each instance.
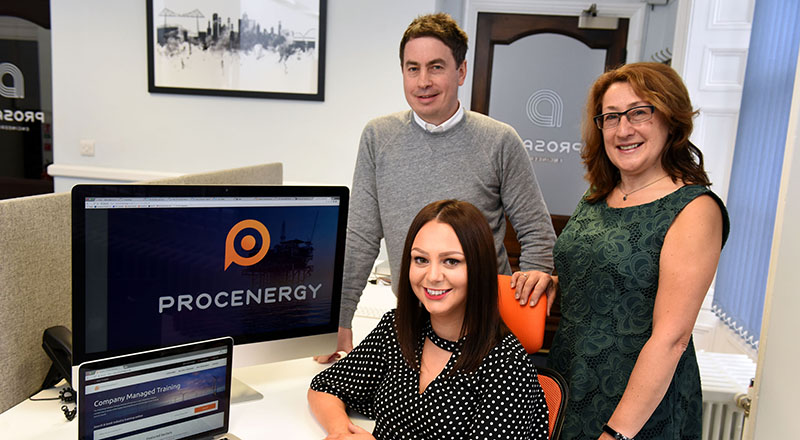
(443, 364)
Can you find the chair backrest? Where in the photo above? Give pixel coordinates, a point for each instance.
(524, 321)
(556, 392)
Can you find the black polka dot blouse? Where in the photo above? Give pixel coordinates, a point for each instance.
(502, 399)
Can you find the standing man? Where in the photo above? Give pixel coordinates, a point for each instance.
(439, 150)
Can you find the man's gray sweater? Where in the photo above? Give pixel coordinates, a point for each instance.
(401, 168)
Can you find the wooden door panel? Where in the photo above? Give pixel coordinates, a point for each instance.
(503, 29)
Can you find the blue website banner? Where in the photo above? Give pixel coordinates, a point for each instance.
(122, 405)
(182, 274)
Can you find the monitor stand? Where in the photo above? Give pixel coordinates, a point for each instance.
(241, 392)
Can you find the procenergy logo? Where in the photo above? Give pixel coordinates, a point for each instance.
(248, 242)
(241, 297)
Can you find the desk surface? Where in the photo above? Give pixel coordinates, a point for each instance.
(282, 413)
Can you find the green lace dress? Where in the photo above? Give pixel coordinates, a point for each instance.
(607, 261)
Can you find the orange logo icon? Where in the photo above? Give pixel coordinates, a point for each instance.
(248, 242)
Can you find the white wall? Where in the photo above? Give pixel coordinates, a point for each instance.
(100, 93)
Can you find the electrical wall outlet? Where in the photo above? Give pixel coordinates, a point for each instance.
(87, 147)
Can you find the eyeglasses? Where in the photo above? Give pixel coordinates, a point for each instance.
(635, 115)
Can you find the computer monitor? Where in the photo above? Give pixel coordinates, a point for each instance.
(160, 265)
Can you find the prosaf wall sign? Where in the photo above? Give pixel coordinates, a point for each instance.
(545, 108)
(24, 132)
(17, 88)
(20, 104)
(544, 102)
(12, 75)
(551, 114)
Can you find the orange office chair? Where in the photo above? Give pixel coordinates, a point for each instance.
(527, 324)
(556, 392)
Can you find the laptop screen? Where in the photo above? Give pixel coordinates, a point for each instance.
(180, 392)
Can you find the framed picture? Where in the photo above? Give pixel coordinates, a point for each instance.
(247, 48)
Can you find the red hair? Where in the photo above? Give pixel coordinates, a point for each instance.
(662, 87)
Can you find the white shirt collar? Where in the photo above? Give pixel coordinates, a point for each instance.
(444, 126)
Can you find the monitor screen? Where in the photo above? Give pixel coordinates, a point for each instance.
(157, 265)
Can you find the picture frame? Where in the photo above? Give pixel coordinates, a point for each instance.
(243, 48)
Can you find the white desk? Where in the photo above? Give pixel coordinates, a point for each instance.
(282, 413)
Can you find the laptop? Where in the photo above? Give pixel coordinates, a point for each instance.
(179, 392)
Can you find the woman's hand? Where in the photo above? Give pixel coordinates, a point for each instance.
(355, 433)
(531, 285)
(344, 343)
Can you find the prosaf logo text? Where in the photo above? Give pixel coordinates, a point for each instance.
(248, 242)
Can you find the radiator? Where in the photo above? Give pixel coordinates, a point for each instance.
(723, 376)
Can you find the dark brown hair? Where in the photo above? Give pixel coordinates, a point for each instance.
(662, 87)
(440, 26)
(482, 324)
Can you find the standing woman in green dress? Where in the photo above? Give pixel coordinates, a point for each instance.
(635, 262)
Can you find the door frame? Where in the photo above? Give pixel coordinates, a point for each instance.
(495, 32)
(633, 10)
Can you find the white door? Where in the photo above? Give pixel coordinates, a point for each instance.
(711, 41)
